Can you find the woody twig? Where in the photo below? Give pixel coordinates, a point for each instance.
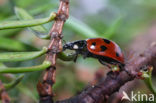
(45, 88)
(3, 94)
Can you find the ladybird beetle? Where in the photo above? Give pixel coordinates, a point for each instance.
(106, 51)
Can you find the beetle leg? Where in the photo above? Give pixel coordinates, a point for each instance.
(114, 68)
(104, 63)
(75, 59)
(85, 55)
(76, 55)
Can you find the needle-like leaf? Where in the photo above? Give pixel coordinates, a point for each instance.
(43, 66)
(81, 28)
(13, 83)
(148, 80)
(14, 45)
(26, 23)
(39, 31)
(21, 56)
(66, 57)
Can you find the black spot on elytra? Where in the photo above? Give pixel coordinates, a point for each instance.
(106, 41)
(94, 43)
(117, 54)
(103, 48)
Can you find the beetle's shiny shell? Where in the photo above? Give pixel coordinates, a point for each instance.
(106, 48)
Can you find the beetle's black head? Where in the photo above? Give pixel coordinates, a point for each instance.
(77, 45)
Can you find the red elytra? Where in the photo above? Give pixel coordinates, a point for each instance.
(104, 47)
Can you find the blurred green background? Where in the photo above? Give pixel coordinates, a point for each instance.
(124, 21)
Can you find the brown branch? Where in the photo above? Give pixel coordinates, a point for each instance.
(112, 83)
(3, 94)
(45, 88)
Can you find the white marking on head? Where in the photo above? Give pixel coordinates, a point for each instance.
(92, 47)
(75, 46)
